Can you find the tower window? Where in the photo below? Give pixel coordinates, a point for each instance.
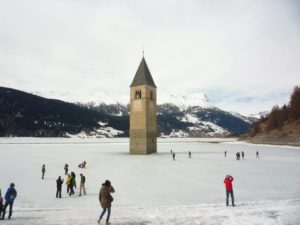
(151, 94)
(138, 94)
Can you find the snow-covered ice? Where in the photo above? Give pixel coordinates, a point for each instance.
(153, 189)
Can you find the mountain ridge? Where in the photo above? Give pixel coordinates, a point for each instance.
(25, 114)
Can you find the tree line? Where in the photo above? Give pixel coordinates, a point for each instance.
(279, 116)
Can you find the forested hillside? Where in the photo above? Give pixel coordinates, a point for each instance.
(281, 125)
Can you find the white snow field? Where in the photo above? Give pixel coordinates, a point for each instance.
(153, 189)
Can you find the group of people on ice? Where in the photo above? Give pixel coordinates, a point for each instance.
(173, 154)
(70, 181)
(238, 155)
(105, 197)
(242, 153)
(71, 184)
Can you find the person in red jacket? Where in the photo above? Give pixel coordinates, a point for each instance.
(228, 185)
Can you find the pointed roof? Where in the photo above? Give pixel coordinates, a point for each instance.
(143, 75)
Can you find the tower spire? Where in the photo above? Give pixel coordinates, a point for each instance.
(143, 75)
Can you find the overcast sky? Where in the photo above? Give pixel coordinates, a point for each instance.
(244, 55)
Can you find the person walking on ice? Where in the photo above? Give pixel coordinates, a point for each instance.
(229, 191)
(190, 154)
(257, 154)
(243, 155)
(173, 155)
(72, 183)
(68, 182)
(106, 199)
(66, 168)
(59, 183)
(82, 184)
(225, 153)
(43, 171)
(10, 197)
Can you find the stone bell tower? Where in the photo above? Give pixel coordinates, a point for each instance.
(143, 132)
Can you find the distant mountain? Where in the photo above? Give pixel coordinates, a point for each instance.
(259, 114)
(24, 114)
(189, 115)
(185, 101)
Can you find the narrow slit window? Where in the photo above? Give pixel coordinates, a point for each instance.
(138, 94)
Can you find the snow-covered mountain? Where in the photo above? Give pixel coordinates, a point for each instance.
(184, 101)
(188, 115)
(259, 114)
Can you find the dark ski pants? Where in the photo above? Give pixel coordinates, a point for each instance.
(66, 171)
(71, 190)
(10, 210)
(68, 188)
(103, 212)
(43, 175)
(58, 193)
(227, 197)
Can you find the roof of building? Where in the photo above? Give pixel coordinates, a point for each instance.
(143, 75)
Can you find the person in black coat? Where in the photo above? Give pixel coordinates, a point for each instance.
(1, 204)
(59, 183)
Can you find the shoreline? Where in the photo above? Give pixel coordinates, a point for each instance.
(291, 140)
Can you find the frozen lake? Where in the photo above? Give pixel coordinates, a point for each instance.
(153, 189)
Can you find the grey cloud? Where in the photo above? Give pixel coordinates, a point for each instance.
(88, 46)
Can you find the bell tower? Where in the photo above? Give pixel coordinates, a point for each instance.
(143, 132)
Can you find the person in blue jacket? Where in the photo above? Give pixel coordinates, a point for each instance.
(10, 197)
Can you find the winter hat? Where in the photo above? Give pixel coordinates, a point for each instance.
(12, 184)
(107, 183)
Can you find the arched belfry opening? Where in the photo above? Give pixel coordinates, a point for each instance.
(143, 128)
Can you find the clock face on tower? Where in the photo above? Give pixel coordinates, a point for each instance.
(137, 106)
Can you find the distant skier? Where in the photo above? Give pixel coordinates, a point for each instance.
(243, 155)
(257, 154)
(66, 167)
(173, 155)
(106, 199)
(82, 184)
(43, 171)
(1, 204)
(68, 181)
(59, 183)
(72, 183)
(225, 153)
(229, 191)
(171, 152)
(10, 197)
(190, 154)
